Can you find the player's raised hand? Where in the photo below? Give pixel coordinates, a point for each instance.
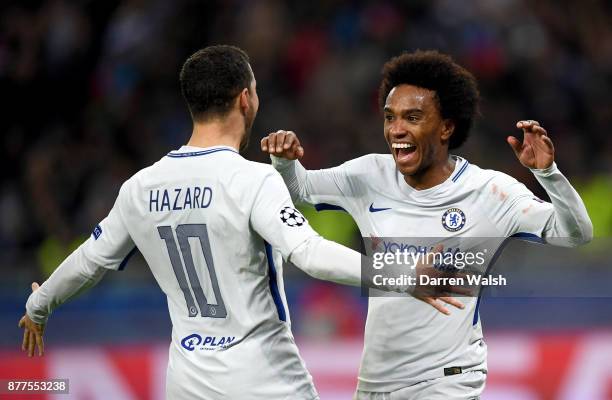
(32, 333)
(436, 295)
(537, 150)
(283, 144)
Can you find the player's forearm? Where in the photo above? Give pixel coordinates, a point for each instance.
(326, 260)
(72, 277)
(295, 176)
(570, 218)
(330, 261)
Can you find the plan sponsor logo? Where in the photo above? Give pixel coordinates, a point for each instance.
(197, 342)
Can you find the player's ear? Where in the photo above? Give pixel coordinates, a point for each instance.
(448, 127)
(243, 101)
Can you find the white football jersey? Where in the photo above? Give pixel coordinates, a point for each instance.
(407, 341)
(206, 222)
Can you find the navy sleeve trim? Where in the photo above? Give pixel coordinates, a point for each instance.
(278, 301)
(328, 207)
(127, 258)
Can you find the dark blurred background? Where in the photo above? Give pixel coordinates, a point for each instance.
(90, 95)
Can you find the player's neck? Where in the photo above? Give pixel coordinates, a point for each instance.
(433, 175)
(218, 132)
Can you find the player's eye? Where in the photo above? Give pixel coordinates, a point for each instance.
(412, 118)
(389, 117)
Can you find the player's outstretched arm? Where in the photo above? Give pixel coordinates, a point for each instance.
(330, 261)
(275, 219)
(106, 249)
(71, 278)
(568, 218)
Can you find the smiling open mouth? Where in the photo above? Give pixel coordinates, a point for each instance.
(403, 151)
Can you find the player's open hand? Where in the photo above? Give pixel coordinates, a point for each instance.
(32, 333)
(283, 144)
(437, 295)
(537, 150)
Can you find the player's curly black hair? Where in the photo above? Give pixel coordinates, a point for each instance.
(212, 77)
(455, 87)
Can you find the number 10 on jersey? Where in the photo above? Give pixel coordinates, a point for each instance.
(183, 233)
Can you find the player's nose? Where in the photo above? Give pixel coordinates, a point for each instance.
(397, 132)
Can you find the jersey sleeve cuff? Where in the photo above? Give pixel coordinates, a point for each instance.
(38, 317)
(280, 163)
(545, 172)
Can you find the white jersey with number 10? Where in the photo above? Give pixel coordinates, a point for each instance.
(206, 222)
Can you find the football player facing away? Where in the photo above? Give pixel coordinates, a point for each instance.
(421, 190)
(206, 221)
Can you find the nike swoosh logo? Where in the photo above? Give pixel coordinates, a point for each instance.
(372, 209)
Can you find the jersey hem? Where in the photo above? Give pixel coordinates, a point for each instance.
(392, 386)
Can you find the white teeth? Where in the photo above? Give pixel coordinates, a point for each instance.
(402, 145)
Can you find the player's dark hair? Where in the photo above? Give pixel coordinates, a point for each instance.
(212, 77)
(455, 88)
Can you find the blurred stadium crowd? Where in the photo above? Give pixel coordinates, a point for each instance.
(91, 95)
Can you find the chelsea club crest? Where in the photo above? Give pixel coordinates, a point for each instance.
(453, 219)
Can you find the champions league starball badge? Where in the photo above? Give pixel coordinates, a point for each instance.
(292, 217)
(453, 219)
